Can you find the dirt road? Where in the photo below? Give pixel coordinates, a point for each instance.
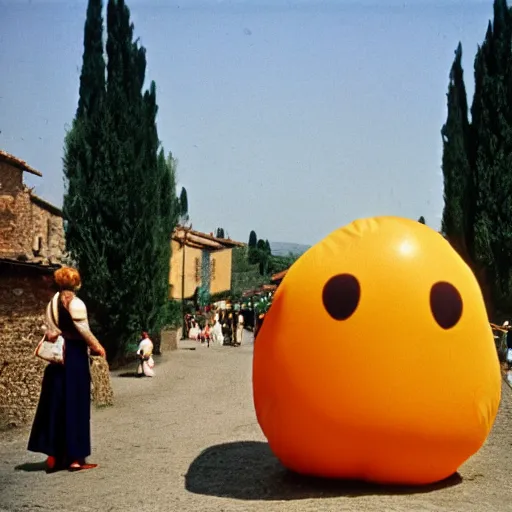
(188, 440)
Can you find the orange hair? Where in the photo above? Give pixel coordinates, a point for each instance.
(67, 278)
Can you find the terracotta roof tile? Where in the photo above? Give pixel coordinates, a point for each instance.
(279, 275)
(204, 239)
(18, 163)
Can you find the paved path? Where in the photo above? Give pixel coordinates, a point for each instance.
(188, 440)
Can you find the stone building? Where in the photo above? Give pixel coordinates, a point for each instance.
(31, 247)
(31, 229)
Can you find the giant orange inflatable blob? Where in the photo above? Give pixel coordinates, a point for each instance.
(376, 360)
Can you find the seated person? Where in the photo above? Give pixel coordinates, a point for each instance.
(194, 332)
(145, 353)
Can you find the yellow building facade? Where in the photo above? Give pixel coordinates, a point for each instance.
(199, 259)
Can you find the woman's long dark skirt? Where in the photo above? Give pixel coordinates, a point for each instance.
(61, 425)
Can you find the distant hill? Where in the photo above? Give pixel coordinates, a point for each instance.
(285, 248)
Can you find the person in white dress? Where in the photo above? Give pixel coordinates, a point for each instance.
(194, 332)
(217, 336)
(240, 328)
(145, 353)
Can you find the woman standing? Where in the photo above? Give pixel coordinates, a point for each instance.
(61, 427)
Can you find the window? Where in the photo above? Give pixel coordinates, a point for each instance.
(37, 246)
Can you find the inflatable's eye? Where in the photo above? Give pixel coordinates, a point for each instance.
(341, 296)
(445, 304)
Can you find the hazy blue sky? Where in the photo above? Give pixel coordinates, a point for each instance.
(288, 117)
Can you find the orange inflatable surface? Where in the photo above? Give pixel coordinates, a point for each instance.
(376, 360)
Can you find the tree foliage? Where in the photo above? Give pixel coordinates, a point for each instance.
(245, 276)
(259, 253)
(477, 162)
(280, 263)
(456, 163)
(184, 217)
(120, 203)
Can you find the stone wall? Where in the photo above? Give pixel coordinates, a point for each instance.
(170, 339)
(16, 226)
(29, 227)
(48, 233)
(102, 394)
(10, 187)
(24, 293)
(11, 179)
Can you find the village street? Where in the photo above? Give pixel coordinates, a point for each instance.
(188, 440)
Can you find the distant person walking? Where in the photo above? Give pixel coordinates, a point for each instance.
(509, 344)
(61, 427)
(240, 328)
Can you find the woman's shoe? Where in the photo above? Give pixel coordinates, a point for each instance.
(78, 466)
(51, 464)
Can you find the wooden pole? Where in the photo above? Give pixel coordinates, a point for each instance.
(184, 323)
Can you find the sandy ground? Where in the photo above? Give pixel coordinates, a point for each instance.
(188, 440)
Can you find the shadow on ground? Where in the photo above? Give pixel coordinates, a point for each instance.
(249, 471)
(31, 467)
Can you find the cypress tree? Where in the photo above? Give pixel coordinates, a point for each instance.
(83, 156)
(492, 160)
(501, 214)
(477, 163)
(456, 166)
(169, 197)
(148, 257)
(183, 206)
(167, 220)
(481, 171)
(262, 256)
(253, 240)
(92, 75)
(252, 252)
(421, 220)
(132, 217)
(121, 200)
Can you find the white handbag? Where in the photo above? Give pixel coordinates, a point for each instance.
(51, 351)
